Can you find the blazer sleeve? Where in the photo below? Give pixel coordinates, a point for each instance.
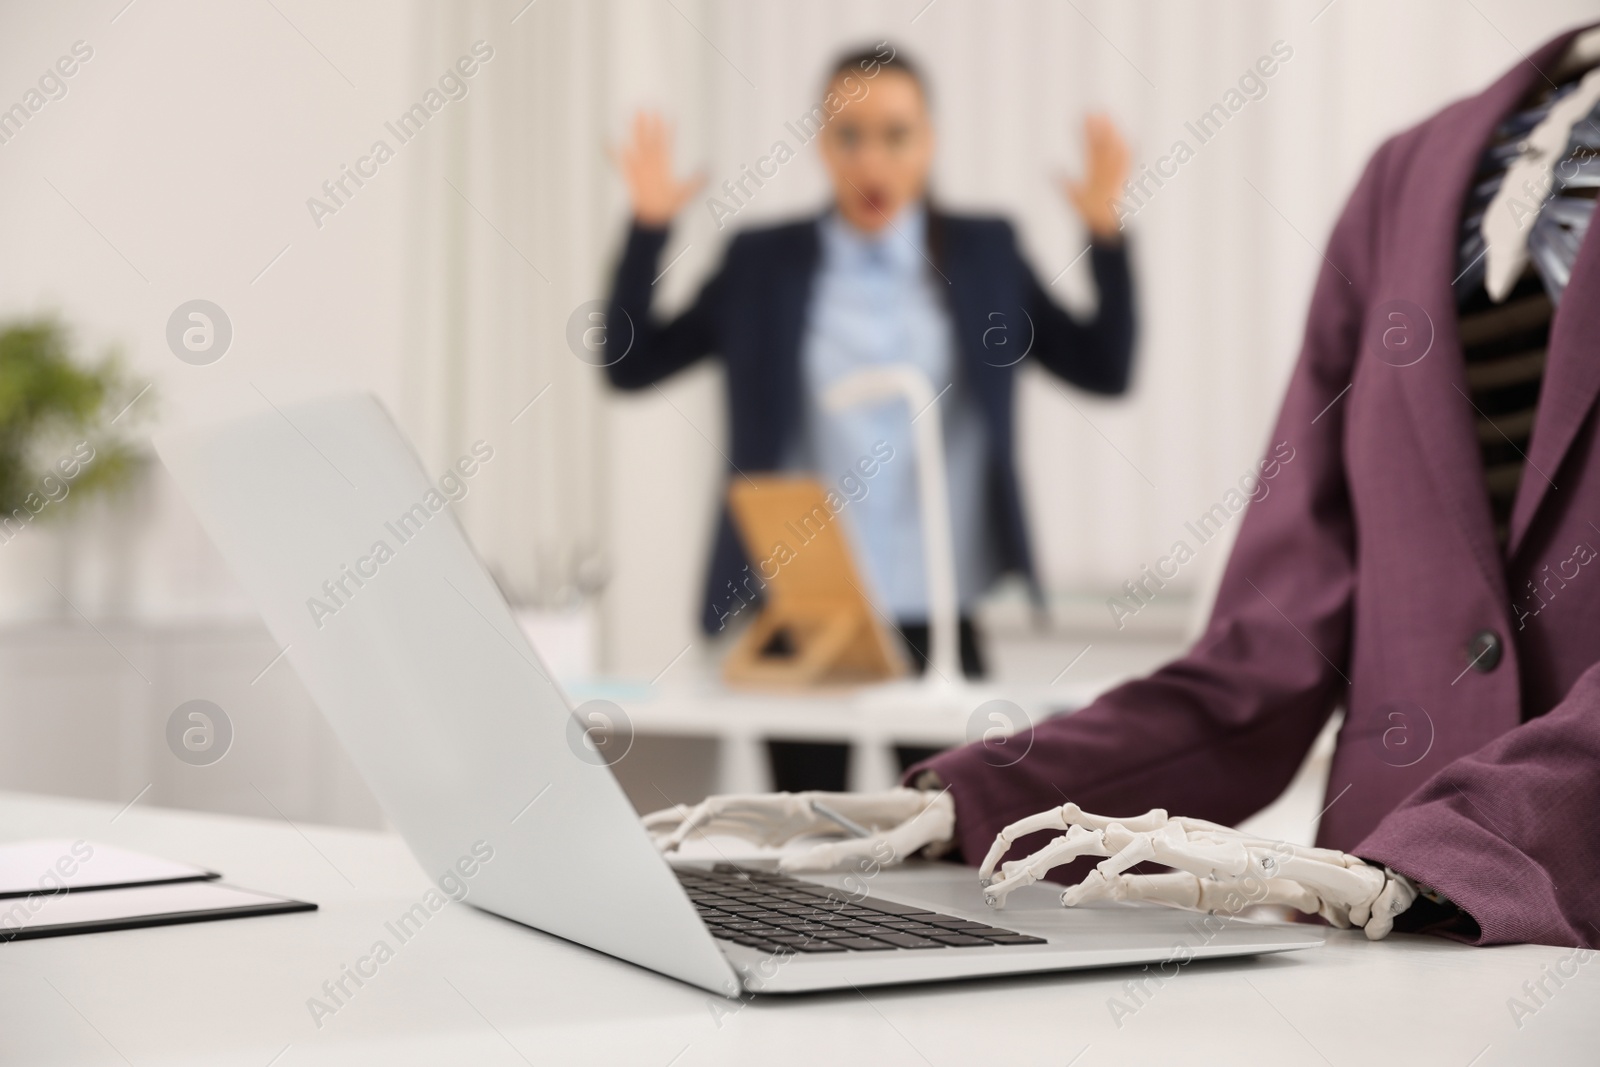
(1507, 833)
(639, 349)
(1219, 733)
(1096, 355)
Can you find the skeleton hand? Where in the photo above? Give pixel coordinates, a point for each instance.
(1218, 869)
(887, 827)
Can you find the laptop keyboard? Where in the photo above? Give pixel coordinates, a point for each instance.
(776, 913)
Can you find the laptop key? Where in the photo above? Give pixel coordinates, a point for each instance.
(751, 942)
(958, 940)
(821, 946)
(772, 948)
(901, 909)
(864, 944)
(907, 940)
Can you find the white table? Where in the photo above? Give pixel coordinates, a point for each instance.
(1043, 676)
(471, 988)
(109, 689)
(872, 720)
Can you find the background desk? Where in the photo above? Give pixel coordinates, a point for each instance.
(471, 988)
(84, 713)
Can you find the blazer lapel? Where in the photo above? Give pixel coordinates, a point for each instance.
(969, 297)
(1571, 382)
(1435, 389)
(785, 332)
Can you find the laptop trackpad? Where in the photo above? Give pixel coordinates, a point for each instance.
(1037, 910)
(942, 887)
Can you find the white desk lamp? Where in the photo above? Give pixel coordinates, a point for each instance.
(903, 381)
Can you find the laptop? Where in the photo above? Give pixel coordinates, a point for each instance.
(361, 571)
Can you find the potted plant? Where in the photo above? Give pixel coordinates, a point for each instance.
(63, 428)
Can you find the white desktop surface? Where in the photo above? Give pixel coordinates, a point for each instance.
(471, 988)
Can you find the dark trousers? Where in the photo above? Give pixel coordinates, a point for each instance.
(798, 765)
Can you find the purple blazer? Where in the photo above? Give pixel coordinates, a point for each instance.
(1370, 577)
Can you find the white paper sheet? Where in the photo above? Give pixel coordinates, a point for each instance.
(50, 866)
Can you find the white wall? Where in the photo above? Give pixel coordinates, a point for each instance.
(185, 150)
(177, 166)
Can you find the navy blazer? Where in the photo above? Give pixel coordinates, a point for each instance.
(753, 313)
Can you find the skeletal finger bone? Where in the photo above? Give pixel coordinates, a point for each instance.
(1076, 842)
(1055, 819)
(1399, 893)
(1215, 868)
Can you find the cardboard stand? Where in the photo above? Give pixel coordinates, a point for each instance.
(816, 627)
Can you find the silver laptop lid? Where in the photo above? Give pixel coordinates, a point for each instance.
(358, 566)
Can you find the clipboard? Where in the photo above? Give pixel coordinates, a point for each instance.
(161, 904)
(49, 888)
(816, 627)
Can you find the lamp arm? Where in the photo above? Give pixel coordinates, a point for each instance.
(905, 382)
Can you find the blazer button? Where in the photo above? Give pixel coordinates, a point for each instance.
(1484, 651)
